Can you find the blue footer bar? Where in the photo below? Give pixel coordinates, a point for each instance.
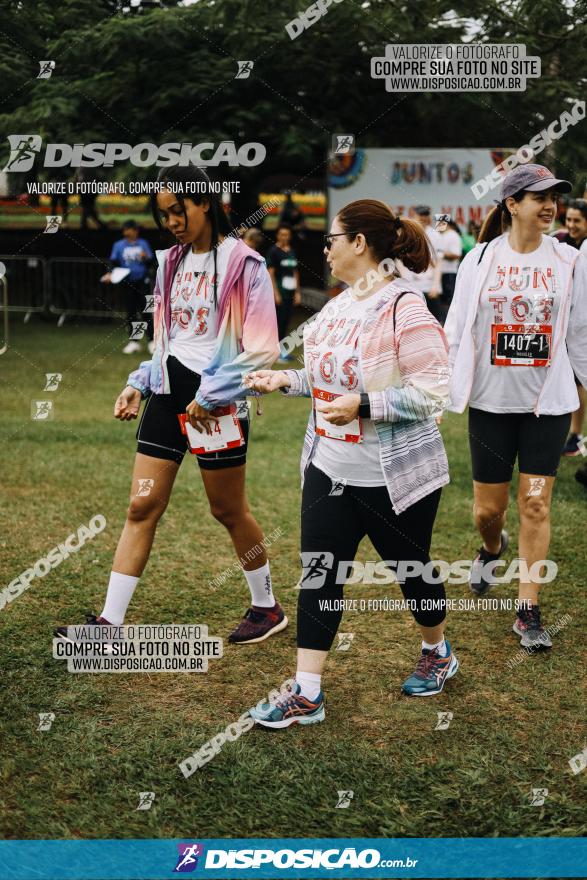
(283, 858)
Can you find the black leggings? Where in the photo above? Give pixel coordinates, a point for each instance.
(336, 524)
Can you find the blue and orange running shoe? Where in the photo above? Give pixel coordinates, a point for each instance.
(292, 708)
(430, 673)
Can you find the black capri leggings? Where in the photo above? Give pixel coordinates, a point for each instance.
(336, 524)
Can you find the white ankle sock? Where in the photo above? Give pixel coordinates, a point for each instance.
(440, 646)
(259, 582)
(120, 590)
(309, 684)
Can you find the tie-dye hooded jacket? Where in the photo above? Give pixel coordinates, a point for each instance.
(246, 329)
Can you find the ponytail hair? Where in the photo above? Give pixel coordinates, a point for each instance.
(498, 220)
(387, 235)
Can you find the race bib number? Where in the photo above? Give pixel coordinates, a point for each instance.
(226, 432)
(288, 282)
(351, 433)
(521, 345)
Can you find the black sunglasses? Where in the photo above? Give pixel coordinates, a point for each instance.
(328, 238)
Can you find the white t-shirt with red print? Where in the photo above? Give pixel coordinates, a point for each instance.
(192, 337)
(514, 330)
(331, 355)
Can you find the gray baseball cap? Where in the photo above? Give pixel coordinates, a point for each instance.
(533, 178)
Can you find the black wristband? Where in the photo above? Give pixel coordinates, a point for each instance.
(365, 406)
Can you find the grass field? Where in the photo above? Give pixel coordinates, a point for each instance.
(117, 735)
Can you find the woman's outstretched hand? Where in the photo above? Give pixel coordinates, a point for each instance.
(266, 381)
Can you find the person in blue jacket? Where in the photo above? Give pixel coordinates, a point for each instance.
(133, 253)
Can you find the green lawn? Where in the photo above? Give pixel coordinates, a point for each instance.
(116, 735)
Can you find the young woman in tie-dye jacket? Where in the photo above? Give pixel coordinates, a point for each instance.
(214, 320)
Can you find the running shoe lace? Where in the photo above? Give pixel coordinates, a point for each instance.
(255, 616)
(531, 617)
(290, 700)
(426, 662)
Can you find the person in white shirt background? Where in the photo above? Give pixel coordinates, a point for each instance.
(516, 329)
(575, 234)
(452, 251)
(429, 281)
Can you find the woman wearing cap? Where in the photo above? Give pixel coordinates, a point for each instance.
(517, 329)
(373, 461)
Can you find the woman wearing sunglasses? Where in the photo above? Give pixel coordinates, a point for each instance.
(373, 461)
(517, 328)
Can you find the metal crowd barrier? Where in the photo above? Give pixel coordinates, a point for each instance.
(64, 286)
(27, 276)
(75, 289)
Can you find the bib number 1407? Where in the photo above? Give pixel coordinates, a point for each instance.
(514, 345)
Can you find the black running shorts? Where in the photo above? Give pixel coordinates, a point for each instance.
(497, 439)
(159, 434)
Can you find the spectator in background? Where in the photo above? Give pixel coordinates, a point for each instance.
(293, 217)
(58, 175)
(428, 282)
(575, 234)
(282, 264)
(88, 205)
(469, 239)
(452, 251)
(575, 230)
(253, 237)
(133, 253)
